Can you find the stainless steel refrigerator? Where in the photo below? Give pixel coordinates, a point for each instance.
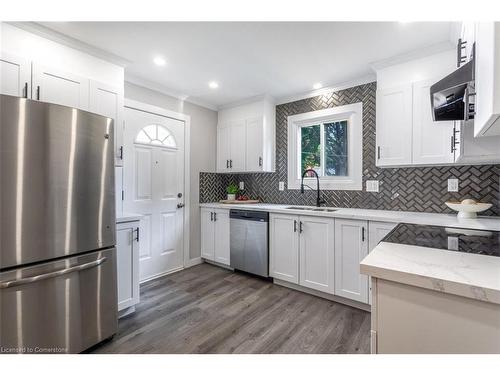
(57, 228)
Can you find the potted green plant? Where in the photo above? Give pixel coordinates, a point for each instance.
(232, 190)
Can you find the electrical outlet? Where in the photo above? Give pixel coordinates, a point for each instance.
(453, 184)
(452, 243)
(281, 185)
(372, 185)
(242, 185)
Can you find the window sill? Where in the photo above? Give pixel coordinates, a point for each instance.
(347, 184)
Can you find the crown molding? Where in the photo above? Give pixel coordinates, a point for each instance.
(56, 36)
(326, 90)
(154, 86)
(249, 100)
(413, 55)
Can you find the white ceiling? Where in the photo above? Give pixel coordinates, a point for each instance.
(248, 59)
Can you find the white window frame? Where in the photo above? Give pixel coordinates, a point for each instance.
(353, 113)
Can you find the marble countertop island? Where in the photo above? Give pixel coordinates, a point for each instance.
(469, 275)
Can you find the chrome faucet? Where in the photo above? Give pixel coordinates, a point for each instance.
(319, 201)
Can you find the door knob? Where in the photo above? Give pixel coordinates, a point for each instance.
(180, 205)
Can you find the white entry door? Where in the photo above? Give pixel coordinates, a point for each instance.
(153, 169)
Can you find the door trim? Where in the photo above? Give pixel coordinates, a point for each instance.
(148, 108)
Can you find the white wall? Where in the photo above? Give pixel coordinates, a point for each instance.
(46, 52)
(202, 146)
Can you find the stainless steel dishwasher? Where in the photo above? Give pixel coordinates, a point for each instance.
(249, 241)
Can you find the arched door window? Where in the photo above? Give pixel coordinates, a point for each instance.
(155, 135)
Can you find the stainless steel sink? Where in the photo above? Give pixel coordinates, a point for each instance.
(321, 209)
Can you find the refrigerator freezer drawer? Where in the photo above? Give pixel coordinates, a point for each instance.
(63, 306)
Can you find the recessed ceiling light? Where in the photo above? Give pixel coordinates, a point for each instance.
(213, 85)
(317, 86)
(160, 61)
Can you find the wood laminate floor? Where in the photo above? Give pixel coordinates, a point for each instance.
(207, 309)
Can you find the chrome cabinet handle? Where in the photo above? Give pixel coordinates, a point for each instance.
(25, 90)
(295, 225)
(227, 164)
(363, 234)
(137, 238)
(211, 216)
(121, 152)
(38, 93)
(230, 163)
(180, 205)
(215, 216)
(300, 227)
(260, 161)
(49, 275)
(378, 152)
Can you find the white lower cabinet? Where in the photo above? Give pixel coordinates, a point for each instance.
(284, 247)
(351, 246)
(215, 235)
(127, 264)
(317, 249)
(302, 250)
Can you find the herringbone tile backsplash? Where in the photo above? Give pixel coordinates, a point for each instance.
(408, 189)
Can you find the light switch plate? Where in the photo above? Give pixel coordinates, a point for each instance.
(281, 185)
(372, 185)
(453, 184)
(242, 185)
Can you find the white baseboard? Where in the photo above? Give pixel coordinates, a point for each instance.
(193, 262)
(160, 275)
(214, 263)
(345, 301)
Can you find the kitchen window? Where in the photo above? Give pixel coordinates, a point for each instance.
(330, 142)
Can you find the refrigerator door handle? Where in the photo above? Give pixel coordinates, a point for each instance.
(49, 275)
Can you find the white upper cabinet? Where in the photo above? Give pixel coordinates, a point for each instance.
(487, 79)
(231, 147)
(223, 150)
(394, 126)
(52, 85)
(107, 100)
(246, 138)
(254, 141)
(432, 141)
(15, 76)
(351, 246)
(237, 154)
(406, 134)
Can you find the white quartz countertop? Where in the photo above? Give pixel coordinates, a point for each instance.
(126, 217)
(469, 275)
(444, 220)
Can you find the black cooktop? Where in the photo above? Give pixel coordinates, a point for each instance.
(455, 239)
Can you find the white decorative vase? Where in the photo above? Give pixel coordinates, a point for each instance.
(468, 208)
(231, 197)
